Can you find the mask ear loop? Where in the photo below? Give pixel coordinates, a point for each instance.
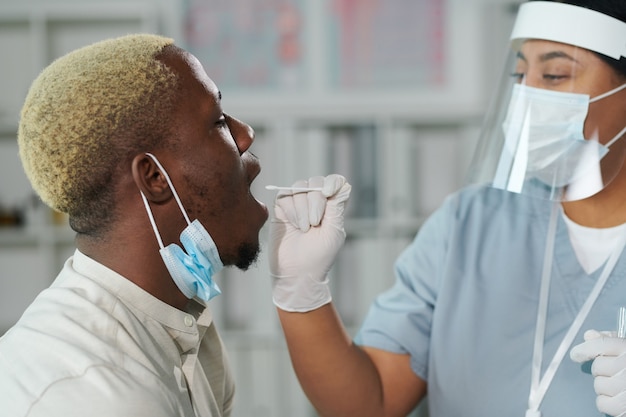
(600, 97)
(169, 182)
(608, 93)
(152, 222)
(618, 136)
(149, 211)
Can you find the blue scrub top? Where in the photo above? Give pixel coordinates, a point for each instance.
(464, 306)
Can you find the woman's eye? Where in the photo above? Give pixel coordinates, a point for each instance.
(553, 77)
(518, 76)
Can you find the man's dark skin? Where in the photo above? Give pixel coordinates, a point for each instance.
(210, 167)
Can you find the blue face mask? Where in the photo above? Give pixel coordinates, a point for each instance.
(191, 269)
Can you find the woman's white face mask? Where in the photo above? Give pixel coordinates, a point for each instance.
(544, 130)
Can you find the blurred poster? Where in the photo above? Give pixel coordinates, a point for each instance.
(246, 44)
(387, 43)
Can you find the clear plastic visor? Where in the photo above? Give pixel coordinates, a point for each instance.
(554, 129)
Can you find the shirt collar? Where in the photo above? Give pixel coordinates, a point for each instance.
(185, 327)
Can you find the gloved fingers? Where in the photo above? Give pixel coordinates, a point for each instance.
(279, 214)
(603, 345)
(294, 206)
(609, 366)
(308, 209)
(335, 191)
(316, 201)
(284, 210)
(612, 405)
(341, 193)
(595, 334)
(332, 184)
(592, 334)
(610, 385)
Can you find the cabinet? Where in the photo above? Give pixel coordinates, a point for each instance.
(402, 138)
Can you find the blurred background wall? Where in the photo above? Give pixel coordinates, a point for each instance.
(388, 93)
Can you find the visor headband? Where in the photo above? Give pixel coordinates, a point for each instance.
(569, 24)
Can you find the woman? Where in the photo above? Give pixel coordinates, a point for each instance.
(507, 275)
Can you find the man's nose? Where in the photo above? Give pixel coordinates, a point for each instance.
(241, 132)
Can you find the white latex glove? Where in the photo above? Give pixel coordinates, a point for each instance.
(608, 353)
(306, 233)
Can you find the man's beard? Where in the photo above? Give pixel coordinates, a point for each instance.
(247, 255)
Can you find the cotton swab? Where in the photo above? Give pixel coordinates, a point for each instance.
(293, 189)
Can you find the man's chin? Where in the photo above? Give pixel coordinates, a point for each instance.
(248, 255)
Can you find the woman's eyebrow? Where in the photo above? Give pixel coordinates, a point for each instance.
(555, 54)
(548, 56)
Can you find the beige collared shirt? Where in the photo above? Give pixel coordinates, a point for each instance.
(95, 344)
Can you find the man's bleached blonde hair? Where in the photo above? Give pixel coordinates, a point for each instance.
(84, 118)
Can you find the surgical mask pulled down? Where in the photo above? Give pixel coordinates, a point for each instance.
(544, 131)
(191, 269)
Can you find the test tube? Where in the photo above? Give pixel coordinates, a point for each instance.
(621, 323)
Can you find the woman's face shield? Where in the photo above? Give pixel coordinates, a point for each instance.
(553, 130)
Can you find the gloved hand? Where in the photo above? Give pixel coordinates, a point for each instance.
(608, 353)
(306, 233)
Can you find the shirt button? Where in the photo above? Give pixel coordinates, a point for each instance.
(188, 321)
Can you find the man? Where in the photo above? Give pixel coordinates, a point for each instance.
(122, 135)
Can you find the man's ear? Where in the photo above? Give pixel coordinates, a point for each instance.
(150, 180)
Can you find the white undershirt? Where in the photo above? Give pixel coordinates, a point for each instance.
(593, 246)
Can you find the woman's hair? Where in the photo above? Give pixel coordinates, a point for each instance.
(613, 8)
(86, 115)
